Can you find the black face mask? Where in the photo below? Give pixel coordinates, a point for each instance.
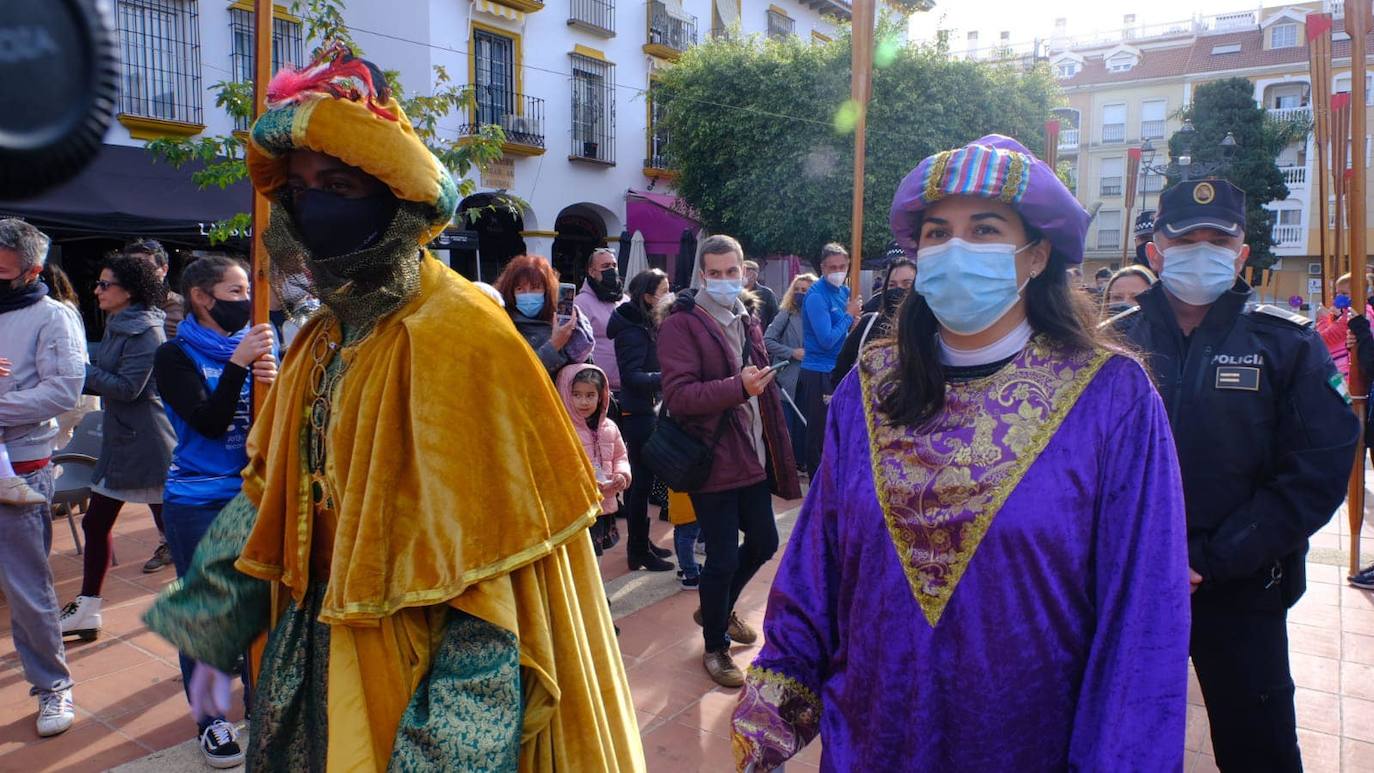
(1141, 259)
(892, 299)
(233, 316)
(331, 225)
(608, 287)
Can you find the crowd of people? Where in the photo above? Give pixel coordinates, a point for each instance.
(1028, 504)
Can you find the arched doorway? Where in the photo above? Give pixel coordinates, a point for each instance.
(581, 228)
(498, 221)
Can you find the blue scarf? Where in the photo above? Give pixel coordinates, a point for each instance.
(210, 344)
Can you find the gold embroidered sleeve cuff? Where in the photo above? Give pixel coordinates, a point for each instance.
(777, 716)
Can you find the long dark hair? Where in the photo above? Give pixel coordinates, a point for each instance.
(902, 262)
(1056, 311)
(645, 283)
(59, 285)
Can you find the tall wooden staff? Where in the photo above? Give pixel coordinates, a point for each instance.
(1051, 154)
(860, 89)
(1319, 60)
(1340, 148)
(262, 73)
(1127, 224)
(1357, 26)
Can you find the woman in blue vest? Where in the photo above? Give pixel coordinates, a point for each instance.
(202, 375)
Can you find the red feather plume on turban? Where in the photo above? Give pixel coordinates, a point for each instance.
(337, 73)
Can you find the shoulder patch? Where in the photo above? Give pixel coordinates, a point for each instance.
(1337, 383)
(1277, 312)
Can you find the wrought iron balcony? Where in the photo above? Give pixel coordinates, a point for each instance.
(521, 117)
(1068, 139)
(593, 15)
(670, 33)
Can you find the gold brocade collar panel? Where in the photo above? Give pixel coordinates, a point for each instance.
(941, 485)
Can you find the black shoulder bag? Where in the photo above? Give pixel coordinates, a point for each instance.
(678, 458)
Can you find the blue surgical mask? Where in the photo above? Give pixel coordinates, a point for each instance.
(1199, 273)
(724, 291)
(529, 304)
(968, 286)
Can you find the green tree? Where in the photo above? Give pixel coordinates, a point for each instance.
(223, 160)
(1229, 106)
(763, 133)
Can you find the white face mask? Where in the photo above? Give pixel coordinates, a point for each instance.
(837, 278)
(1198, 274)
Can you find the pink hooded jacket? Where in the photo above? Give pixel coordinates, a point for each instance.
(604, 447)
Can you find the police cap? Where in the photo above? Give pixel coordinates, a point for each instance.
(1195, 204)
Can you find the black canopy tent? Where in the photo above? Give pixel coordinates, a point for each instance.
(125, 193)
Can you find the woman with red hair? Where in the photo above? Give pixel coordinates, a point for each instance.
(529, 287)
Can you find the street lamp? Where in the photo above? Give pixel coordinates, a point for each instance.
(1183, 166)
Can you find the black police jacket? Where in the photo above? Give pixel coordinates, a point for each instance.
(1264, 430)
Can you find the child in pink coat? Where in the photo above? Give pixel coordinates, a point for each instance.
(587, 395)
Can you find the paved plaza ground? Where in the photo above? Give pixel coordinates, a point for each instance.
(131, 714)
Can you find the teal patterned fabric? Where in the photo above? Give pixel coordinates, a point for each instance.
(272, 130)
(290, 701)
(215, 611)
(468, 712)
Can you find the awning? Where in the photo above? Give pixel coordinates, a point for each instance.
(125, 193)
(661, 217)
(500, 11)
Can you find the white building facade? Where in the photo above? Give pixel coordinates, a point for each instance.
(568, 81)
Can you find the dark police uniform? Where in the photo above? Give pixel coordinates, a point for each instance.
(1266, 438)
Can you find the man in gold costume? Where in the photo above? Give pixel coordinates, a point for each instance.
(427, 583)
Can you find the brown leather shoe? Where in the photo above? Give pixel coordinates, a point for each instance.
(740, 631)
(722, 669)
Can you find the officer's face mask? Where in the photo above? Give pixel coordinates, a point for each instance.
(1198, 274)
(1141, 258)
(968, 286)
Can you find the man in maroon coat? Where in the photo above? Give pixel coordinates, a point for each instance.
(716, 377)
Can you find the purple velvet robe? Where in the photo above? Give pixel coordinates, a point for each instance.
(1011, 595)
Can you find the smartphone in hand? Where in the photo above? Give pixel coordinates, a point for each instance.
(566, 294)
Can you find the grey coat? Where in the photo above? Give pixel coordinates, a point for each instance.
(783, 336)
(137, 440)
(46, 345)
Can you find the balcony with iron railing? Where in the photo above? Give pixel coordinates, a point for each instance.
(1301, 114)
(669, 34)
(1068, 140)
(1153, 130)
(1111, 186)
(520, 117)
(1113, 132)
(1108, 238)
(594, 16)
(1294, 176)
(1287, 236)
(780, 26)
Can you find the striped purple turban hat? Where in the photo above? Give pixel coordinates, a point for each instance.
(993, 167)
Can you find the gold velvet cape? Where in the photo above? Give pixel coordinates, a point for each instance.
(458, 480)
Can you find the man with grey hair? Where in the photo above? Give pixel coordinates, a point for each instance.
(602, 291)
(829, 312)
(719, 388)
(42, 348)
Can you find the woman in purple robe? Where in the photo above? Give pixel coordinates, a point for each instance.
(990, 571)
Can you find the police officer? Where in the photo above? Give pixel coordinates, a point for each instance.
(1144, 232)
(1266, 438)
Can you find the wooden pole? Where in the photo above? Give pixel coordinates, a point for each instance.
(1319, 62)
(1128, 223)
(1357, 26)
(860, 89)
(262, 73)
(1051, 155)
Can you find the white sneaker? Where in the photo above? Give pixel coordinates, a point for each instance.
(55, 712)
(81, 618)
(16, 491)
(219, 744)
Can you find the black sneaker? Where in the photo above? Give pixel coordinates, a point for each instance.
(1364, 579)
(219, 744)
(161, 557)
(687, 582)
